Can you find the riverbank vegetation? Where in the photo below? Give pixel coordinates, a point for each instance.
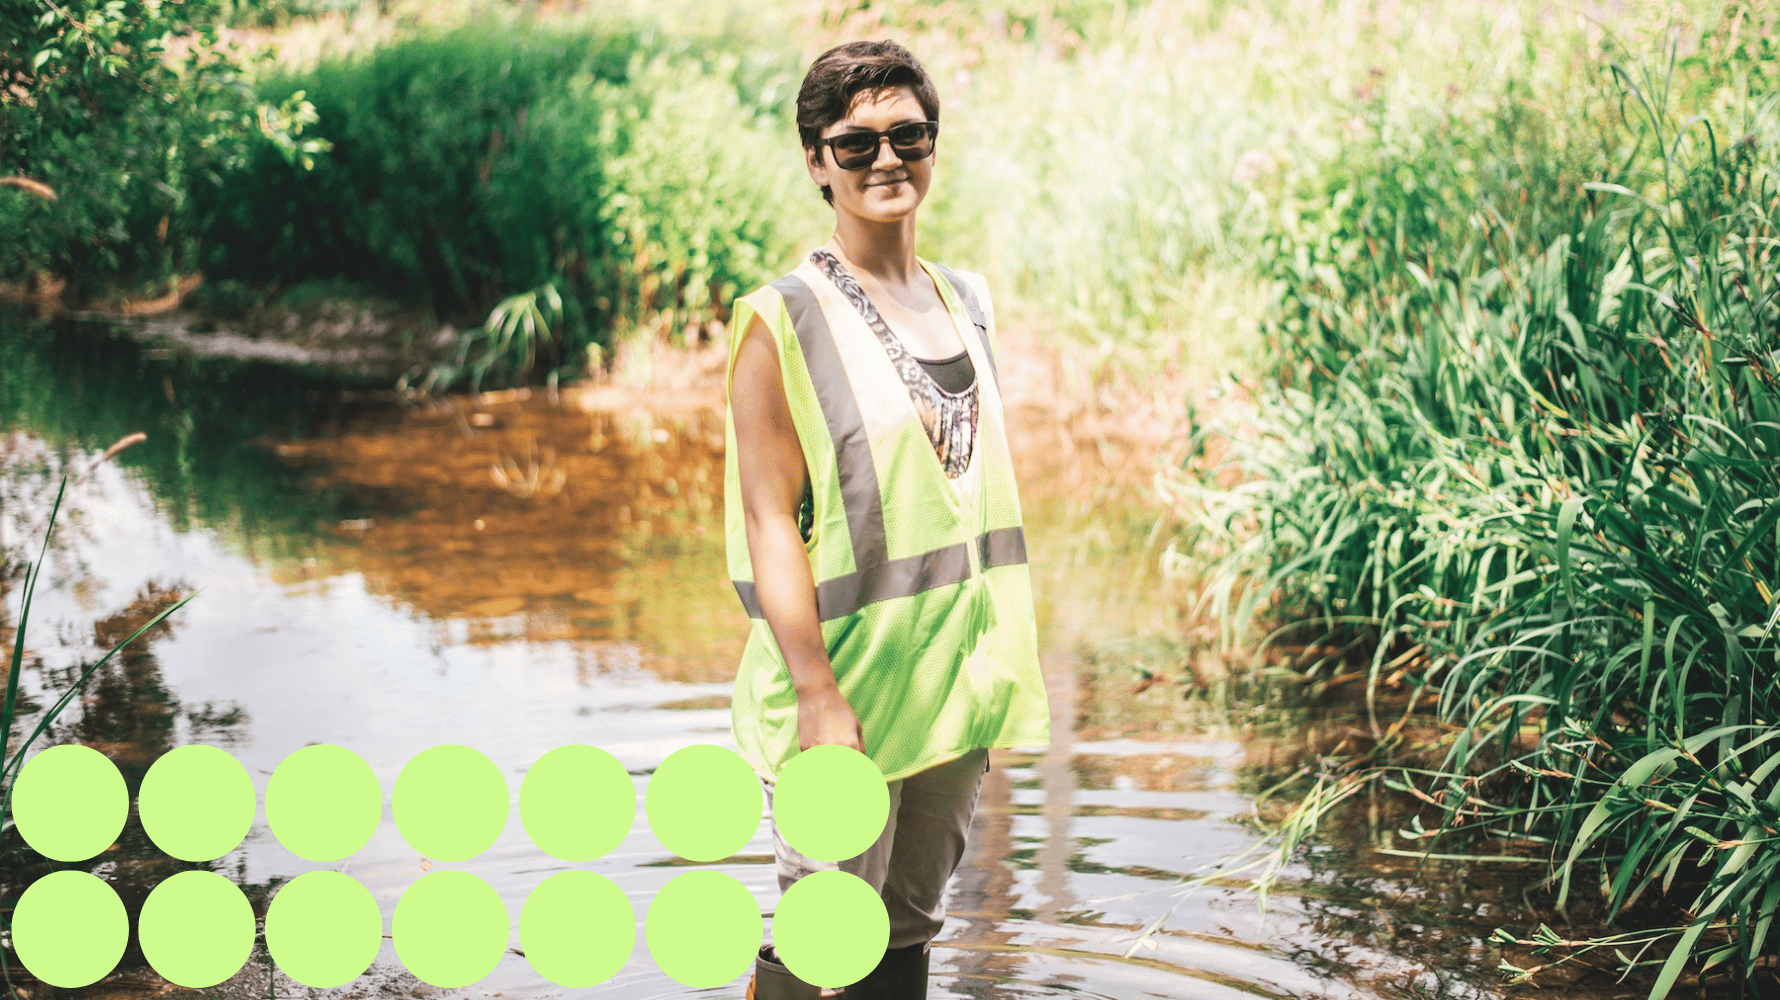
(1101, 158)
(1518, 454)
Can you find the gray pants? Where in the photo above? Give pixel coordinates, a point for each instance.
(922, 843)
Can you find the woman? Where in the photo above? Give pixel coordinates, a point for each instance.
(872, 521)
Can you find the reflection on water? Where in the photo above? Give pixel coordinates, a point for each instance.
(519, 572)
(514, 519)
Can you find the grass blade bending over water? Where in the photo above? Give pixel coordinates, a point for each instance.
(8, 712)
(1537, 473)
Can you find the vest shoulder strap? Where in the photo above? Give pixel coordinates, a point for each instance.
(975, 310)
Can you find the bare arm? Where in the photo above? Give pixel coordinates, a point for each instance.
(770, 463)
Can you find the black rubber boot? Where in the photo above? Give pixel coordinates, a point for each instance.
(901, 975)
(773, 981)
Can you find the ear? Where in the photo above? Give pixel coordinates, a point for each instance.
(816, 163)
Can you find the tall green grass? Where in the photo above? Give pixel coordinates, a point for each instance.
(1524, 441)
(1122, 175)
(468, 164)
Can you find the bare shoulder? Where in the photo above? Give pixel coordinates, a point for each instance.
(772, 466)
(757, 356)
(757, 391)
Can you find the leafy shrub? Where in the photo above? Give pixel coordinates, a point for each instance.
(403, 198)
(705, 193)
(619, 168)
(122, 107)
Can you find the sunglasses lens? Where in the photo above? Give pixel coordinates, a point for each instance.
(853, 145)
(913, 139)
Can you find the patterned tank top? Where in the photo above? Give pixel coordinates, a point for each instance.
(950, 418)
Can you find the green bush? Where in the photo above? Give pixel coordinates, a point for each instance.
(467, 165)
(1525, 442)
(706, 196)
(98, 109)
(403, 200)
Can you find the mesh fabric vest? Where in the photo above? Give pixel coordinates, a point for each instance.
(922, 587)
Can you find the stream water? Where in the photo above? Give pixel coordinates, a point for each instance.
(516, 574)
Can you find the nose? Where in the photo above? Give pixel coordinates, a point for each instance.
(887, 158)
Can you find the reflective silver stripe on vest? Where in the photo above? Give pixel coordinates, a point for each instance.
(976, 315)
(1002, 547)
(744, 589)
(844, 595)
(878, 577)
(846, 428)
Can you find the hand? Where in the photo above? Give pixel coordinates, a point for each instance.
(824, 717)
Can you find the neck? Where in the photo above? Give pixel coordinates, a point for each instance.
(883, 250)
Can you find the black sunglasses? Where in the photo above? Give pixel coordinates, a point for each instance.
(858, 150)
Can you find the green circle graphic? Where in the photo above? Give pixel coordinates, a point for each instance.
(323, 803)
(577, 803)
(450, 928)
(69, 929)
(704, 802)
(831, 803)
(323, 929)
(196, 929)
(70, 803)
(577, 929)
(703, 929)
(196, 803)
(831, 928)
(450, 803)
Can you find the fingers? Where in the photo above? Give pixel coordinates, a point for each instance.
(819, 728)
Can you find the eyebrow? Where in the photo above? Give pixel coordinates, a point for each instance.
(905, 121)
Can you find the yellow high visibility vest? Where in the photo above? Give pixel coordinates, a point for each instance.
(922, 586)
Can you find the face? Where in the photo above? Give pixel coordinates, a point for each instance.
(889, 189)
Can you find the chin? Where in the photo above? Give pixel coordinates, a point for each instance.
(885, 209)
(889, 214)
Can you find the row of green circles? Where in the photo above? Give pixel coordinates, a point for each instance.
(449, 802)
(323, 803)
(450, 929)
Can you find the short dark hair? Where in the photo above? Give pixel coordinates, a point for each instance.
(837, 76)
